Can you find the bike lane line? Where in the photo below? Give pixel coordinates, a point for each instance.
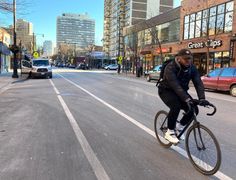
(181, 151)
(89, 153)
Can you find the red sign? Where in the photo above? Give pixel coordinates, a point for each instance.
(164, 50)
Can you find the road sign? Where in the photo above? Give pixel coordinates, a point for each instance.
(120, 58)
(36, 54)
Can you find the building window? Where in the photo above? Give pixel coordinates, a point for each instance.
(228, 21)
(211, 21)
(186, 27)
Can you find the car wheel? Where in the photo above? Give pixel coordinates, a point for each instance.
(148, 78)
(233, 90)
(108, 69)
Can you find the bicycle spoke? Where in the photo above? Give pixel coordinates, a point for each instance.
(204, 153)
(161, 128)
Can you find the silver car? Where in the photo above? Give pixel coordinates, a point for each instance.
(111, 67)
(154, 74)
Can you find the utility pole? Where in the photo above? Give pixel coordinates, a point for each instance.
(118, 44)
(15, 74)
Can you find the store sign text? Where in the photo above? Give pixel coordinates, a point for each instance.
(210, 43)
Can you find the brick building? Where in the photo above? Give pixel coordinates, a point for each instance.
(208, 28)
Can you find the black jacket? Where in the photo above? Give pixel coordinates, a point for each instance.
(177, 79)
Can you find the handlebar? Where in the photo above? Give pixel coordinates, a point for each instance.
(196, 102)
(214, 110)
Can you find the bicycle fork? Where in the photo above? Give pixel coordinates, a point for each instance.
(199, 143)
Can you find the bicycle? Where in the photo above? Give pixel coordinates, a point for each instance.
(198, 142)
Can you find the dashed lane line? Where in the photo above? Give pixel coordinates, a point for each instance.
(89, 153)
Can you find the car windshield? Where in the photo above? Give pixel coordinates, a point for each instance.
(40, 63)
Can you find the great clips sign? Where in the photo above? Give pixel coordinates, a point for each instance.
(210, 43)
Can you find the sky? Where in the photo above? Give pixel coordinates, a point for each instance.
(43, 15)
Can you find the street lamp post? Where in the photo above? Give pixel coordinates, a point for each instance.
(15, 74)
(119, 43)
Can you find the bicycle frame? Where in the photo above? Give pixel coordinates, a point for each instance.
(195, 123)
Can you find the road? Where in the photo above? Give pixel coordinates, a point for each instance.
(94, 125)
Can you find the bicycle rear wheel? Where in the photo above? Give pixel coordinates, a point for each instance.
(203, 149)
(160, 125)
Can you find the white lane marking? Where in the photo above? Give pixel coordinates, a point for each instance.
(181, 151)
(89, 153)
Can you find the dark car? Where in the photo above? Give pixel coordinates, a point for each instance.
(223, 79)
(82, 66)
(71, 66)
(153, 74)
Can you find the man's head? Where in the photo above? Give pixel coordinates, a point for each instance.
(184, 57)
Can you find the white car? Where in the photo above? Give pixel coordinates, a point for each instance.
(37, 68)
(111, 67)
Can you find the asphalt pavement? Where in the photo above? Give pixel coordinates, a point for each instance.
(96, 125)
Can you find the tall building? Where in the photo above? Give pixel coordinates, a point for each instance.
(47, 48)
(24, 34)
(122, 13)
(78, 29)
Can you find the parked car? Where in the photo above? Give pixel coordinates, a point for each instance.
(82, 66)
(153, 74)
(37, 68)
(104, 65)
(223, 79)
(71, 66)
(111, 67)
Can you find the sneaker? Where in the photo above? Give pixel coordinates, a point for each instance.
(180, 128)
(171, 136)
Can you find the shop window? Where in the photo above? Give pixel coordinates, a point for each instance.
(199, 15)
(229, 72)
(186, 19)
(204, 27)
(221, 9)
(228, 21)
(174, 30)
(198, 28)
(205, 13)
(186, 31)
(220, 24)
(229, 6)
(192, 17)
(191, 30)
(213, 11)
(215, 20)
(212, 21)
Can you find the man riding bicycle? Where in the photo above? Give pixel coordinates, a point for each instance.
(173, 90)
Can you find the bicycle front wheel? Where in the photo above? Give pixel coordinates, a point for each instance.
(203, 149)
(160, 125)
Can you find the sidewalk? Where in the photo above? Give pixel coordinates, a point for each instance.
(6, 79)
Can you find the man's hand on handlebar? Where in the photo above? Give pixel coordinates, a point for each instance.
(203, 102)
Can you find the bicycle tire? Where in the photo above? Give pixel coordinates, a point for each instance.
(214, 166)
(160, 135)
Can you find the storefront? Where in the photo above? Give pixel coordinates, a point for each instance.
(216, 50)
(208, 30)
(4, 58)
